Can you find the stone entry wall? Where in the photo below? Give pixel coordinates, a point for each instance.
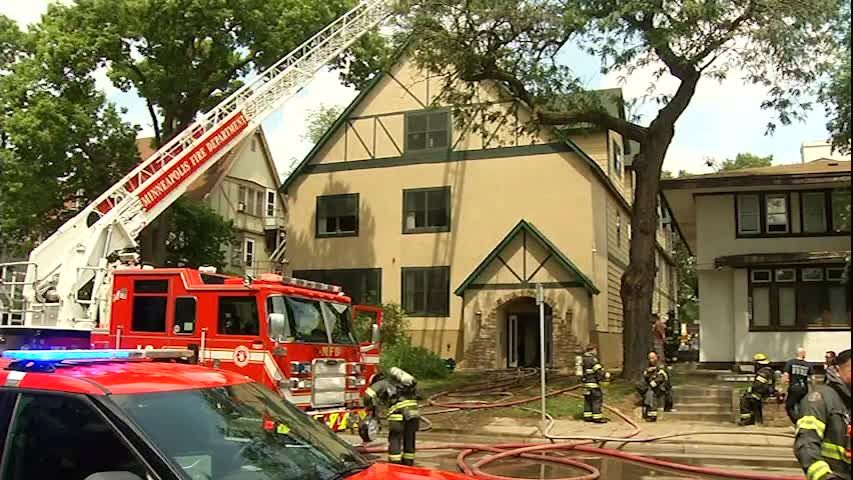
(481, 352)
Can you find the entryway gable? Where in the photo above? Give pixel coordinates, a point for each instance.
(525, 257)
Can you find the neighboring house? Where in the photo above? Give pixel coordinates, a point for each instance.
(810, 151)
(243, 187)
(404, 203)
(770, 245)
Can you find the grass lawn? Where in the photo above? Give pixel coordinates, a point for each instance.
(619, 393)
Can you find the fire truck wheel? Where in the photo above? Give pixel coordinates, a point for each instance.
(368, 429)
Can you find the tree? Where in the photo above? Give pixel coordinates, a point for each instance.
(182, 58)
(515, 46)
(741, 161)
(196, 235)
(320, 120)
(61, 143)
(836, 92)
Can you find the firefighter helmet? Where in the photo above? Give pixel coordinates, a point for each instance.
(761, 359)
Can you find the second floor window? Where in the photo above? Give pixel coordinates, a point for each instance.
(777, 213)
(337, 215)
(428, 130)
(251, 201)
(617, 159)
(826, 211)
(426, 210)
(426, 291)
(822, 212)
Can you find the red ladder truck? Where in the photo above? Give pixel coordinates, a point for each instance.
(63, 295)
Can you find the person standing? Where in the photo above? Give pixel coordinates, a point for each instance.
(797, 373)
(829, 363)
(822, 444)
(398, 392)
(659, 332)
(752, 400)
(593, 375)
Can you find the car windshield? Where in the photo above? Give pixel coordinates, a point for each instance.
(239, 432)
(310, 320)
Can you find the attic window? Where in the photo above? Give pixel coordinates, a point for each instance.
(428, 130)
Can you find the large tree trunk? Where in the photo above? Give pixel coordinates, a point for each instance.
(638, 282)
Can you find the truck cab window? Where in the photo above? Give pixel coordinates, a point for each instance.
(185, 308)
(339, 316)
(53, 437)
(306, 320)
(238, 316)
(276, 304)
(150, 298)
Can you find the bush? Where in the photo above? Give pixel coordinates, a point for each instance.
(394, 325)
(422, 363)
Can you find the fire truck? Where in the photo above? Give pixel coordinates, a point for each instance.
(76, 289)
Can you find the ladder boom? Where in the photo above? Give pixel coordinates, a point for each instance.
(75, 255)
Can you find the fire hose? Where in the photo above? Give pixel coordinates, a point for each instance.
(562, 444)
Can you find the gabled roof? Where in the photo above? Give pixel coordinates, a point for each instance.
(528, 227)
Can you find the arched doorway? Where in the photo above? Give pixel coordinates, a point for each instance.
(521, 317)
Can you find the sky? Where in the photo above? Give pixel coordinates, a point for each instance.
(723, 119)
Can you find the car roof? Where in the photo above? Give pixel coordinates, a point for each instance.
(119, 377)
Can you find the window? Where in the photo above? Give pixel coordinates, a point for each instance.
(427, 131)
(617, 159)
(339, 318)
(238, 316)
(363, 286)
(53, 436)
(748, 214)
(426, 210)
(840, 204)
(776, 206)
(801, 298)
(618, 230)
(185, 311)
(150, 298)
(426, 291)
(251, 200)
(249, 252)
(306, 320)
(337, 215)
(271, 203)
(813, 210)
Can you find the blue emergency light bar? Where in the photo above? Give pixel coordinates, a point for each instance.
(71, 355)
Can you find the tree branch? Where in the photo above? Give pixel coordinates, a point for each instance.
(226, 76)
(154, 120)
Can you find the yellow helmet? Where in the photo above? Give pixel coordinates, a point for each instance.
(761, 358)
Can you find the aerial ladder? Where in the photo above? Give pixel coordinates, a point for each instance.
(66, 282)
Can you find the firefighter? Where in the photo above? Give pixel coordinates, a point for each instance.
(398, 393)
(822, 445)
(797, 373)
(655, 385)
(763, 386)
(592, 376)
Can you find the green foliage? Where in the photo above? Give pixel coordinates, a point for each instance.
(61, 143)
(394, 325)
(746, 160)
(688, 283)
(197, 235)
(420, 362)
(321, 120)
(835, 93)
(181, 57)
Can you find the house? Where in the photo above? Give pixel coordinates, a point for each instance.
(810, 151)
(409, 203)
(770, 245)
(243, 187)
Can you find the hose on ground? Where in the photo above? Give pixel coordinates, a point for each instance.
(561, 443)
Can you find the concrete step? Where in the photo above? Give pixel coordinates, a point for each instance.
(702, 392)
(716, 417)
(703, 407)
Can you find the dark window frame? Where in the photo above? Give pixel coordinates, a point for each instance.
(145, 293)
(175, 321)
(405, 271)
(407, 148)
(426, 192)
(618, 157)
(339, 233)
(321, 275)
(829, 213)
(797, 284)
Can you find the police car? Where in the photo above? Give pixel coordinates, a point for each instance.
(143, 415)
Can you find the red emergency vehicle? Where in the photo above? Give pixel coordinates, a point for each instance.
(293, 336)
(121, 415)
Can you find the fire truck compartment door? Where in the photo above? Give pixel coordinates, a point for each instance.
(330, 377)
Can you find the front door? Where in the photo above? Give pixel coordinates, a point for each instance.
(523, 340)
